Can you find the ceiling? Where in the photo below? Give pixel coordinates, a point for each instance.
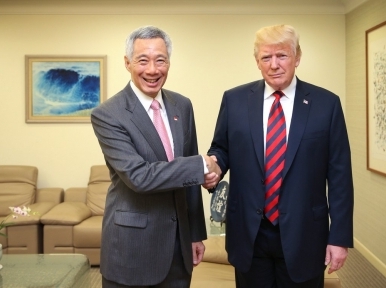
(178, 6)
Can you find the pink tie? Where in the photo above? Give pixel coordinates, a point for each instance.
(161, 129)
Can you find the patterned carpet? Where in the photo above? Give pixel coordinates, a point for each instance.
(358, 272)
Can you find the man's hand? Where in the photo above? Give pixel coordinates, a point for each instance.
(198, 249)
(335, 256)
(211, 180)
(213, 177)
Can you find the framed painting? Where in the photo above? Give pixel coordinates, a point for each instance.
(64, 89)
(376, 98)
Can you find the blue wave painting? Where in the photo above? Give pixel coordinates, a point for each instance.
(65, 88)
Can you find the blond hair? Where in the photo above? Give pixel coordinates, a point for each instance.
(278, 34)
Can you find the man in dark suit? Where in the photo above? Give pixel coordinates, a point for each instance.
(281, 160)
(154, 223)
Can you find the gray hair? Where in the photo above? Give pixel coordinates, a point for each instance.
(147, 32)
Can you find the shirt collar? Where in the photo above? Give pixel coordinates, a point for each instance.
(146, 100)
(289, 92)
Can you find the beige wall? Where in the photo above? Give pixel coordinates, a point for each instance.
(370, 191)
(212, 53)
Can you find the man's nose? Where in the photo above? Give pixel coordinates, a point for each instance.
(274, 63)
(151, 67)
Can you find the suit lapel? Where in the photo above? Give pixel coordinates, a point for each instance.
(255, 116)
(141, 119)
(301, 109)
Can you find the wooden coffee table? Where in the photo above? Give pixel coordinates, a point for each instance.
(42, 270)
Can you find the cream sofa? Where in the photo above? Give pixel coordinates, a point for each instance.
(75, 225)
(18, 188)
(215, 272)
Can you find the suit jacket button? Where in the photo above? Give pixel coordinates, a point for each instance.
(174, 218)
(259, 211)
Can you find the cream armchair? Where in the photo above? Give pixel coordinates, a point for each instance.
(18, 188)
(75, 226)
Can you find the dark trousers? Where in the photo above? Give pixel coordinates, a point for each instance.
(268, 268)
(177, 277)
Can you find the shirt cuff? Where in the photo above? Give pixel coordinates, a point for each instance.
(206, 170)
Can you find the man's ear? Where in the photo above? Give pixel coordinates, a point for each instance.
(127, 64)
(297, 61)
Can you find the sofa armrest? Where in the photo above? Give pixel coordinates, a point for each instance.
(54, 195)
(75, 195)
(66, 213)
(215, 250)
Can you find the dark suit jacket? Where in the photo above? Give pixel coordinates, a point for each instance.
(149, 198)
(318, 154)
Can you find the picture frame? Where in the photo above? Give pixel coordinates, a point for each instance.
(376, 98)
(63, 89)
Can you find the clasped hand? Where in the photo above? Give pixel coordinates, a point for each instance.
(213, 177)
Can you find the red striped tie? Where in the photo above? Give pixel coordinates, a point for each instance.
(274, 158)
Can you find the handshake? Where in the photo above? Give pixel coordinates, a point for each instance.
(213, 177)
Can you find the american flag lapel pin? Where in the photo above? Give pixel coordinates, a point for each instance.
(305, 101)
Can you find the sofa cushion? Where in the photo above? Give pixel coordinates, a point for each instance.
(53, 195)
(78, 194)
(37, 210)
(17, 186)
(66, 213)
(88, 233)
(15, 195)
(97, 189)
(18, 174)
